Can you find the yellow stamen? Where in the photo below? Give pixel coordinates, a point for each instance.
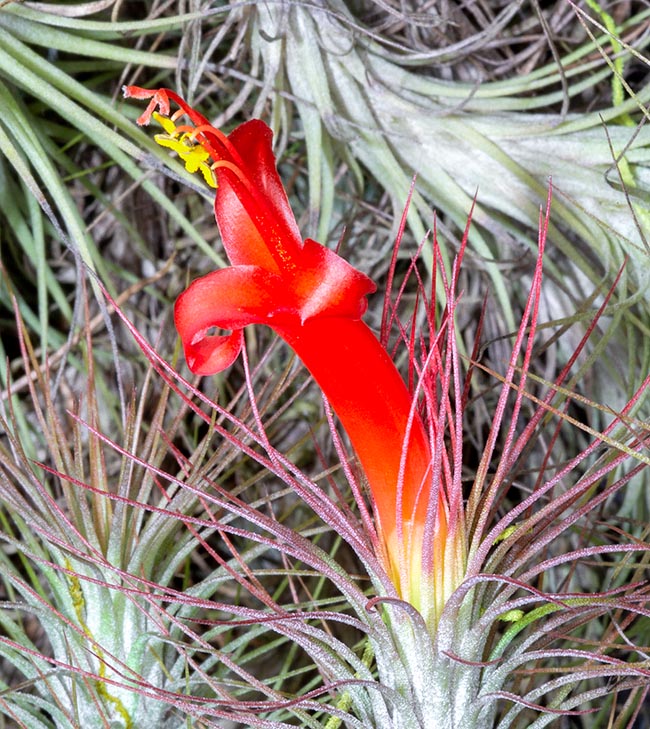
(192, 153)
(167, 124)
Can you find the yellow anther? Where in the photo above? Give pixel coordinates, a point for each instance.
(164, 141)
(195, 160)
(167, 124)
(186, 147)
(208, 175)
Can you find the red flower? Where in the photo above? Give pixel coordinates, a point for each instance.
(314, 300)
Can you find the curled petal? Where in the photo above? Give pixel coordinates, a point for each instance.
(230, 299)
(212, 353)
(254, 142)
(328, 285)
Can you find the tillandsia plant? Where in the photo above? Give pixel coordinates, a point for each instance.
(470, 592)
(176, 559)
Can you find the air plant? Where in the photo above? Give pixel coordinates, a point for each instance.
(175, 565)
(469, 592)
(475, 611)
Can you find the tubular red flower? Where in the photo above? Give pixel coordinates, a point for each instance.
(314, 300)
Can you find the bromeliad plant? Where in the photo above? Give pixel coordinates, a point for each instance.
(467, 591)
(157, 574)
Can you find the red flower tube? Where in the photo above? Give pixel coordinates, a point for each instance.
(314, 300)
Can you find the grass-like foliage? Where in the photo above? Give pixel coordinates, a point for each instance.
(179, 552)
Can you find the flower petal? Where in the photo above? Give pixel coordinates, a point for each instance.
(213, 353)
(254, 142)
(327, 285)
(240, 235)
(230, 298)
(255, 222)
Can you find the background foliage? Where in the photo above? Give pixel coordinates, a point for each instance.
(494, 97)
